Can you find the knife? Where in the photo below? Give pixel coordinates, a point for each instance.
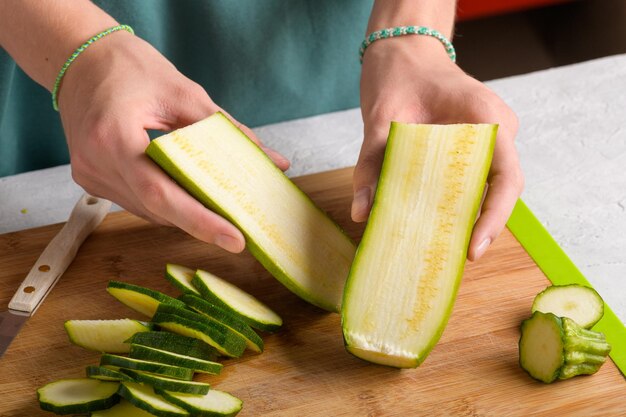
(56, 257)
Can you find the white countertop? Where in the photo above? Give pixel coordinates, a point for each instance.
(571, 141)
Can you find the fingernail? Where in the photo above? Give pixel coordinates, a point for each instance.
(361, 204)
(482, 248)
(229, 243)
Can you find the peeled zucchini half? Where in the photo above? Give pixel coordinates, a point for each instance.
(409, 264)
(293, 239)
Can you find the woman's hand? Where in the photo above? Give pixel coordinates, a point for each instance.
(113, 92)
(411, 79)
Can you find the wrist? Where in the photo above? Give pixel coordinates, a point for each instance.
(438, 15)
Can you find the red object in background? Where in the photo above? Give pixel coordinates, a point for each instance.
(473, 9)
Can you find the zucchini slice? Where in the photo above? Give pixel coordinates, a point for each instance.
(409, 264)
(104, 335)
(141, 299)
(180, 277)
(171, 371)
(293, 239)
(552, 347)
(122, 409)
(170, 384)
(253, 340)
(176, 359)
(233, 299)
(106, 374)
(191, 324)
(175, 343)
(581, 304)
(143, 396)
(215, 403)
(79, 395)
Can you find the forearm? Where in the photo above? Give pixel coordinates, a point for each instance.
(41, 34)
(435, 14)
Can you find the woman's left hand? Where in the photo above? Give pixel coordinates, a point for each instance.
(411, 79)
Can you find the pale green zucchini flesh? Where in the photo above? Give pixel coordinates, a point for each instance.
(104, 335)
(170, 384)
(171, 371)
(180, 277)
(78, 395)
(144, 397)
(581, 304)
(141, 299)
(253, 340)
(233, 299)
(176, 359)
(215, 403)
(175, 343)
(122, 409)
(408, 266)
(297, 242)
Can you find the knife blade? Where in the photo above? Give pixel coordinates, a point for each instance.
(86, 215)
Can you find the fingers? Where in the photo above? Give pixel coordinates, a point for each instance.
(366, 172)
(505, 185)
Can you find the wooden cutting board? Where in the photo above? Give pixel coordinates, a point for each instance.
(304, 371)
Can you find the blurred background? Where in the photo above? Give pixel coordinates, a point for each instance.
(499, 38)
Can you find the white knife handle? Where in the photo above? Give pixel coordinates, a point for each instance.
(59, 254)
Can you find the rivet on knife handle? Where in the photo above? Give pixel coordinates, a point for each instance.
(60, 252)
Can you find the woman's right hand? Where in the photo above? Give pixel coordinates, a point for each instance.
(115, 90)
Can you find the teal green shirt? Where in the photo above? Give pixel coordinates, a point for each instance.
(264, 61)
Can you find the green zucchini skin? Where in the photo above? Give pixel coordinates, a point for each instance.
(253, 340)
(191, 324)
(369, 344)
(161, 356)
(50, 399)
(169, 384)
(208, 285)
(180, 276)
(141, 299)
(106, 374)
(332, 278)
(574, 349)
(144, 397)
(175, 343)
(171, 371)
(194, 405)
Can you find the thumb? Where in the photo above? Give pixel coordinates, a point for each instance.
(366, 172)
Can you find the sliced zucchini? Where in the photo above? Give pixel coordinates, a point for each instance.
(253, 340)
(175, 343)
(409, 264)
(171, 371)
(79, 395)
(176, 359)
(143, 396)
(106, 374)
(123, 409)
(581, 304)
(180, 277)
(170, 384)
(233, 299)
(188, 323)
(295, 240)
(104, 335)
(143, 300)
(213, 404)
(552, 347)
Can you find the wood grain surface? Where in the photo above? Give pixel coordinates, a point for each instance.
(304, 371)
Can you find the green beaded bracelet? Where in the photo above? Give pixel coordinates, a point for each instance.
(78, 51)
(407, 30)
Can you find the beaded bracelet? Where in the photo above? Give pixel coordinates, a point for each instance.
(78, 51)
(407, 30)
